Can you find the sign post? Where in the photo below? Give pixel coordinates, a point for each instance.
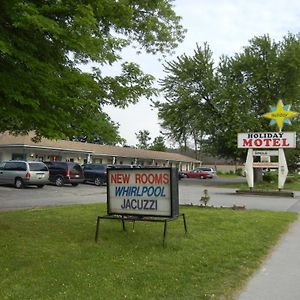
(142, 194)
(264, 141)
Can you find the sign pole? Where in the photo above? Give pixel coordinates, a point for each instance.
(282, 168)
(249, 169)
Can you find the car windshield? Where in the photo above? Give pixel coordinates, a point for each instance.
(76, 167)
(38, 167)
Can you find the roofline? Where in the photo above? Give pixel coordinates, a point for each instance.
(44, 147)
(97, 152)
(94, 153)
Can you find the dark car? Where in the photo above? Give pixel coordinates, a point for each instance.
(124, 166)
(198, 173)
(181, 175)
(95, 173)
(62, 173)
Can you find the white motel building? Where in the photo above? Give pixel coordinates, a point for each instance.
(22, 147)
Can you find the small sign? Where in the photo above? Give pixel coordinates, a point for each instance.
(267, 140)
(280, 114)
(265, 165)
(143, 191)
(265, 159)
(265, 153)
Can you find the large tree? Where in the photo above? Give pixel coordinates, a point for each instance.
(250, 82)
(233, 96)
(188, 89)
(42, 45)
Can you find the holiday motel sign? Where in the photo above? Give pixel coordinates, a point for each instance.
(267, 140)
(280, 115)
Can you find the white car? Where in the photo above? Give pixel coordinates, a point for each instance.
(211, 171)
(21, 173)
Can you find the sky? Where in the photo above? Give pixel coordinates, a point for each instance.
(227, 26)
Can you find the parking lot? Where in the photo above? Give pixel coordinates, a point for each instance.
(190, 191)
(12, 198)
(29, 197)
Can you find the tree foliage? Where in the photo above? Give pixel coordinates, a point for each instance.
(143, 137)
(231, 97)
(158, 144)
(42, 45)
(188, 88)
(250, 82)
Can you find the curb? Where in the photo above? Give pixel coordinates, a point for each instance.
(266, 193)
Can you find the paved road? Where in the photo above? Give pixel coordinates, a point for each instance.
(190, 191)
(228, 197)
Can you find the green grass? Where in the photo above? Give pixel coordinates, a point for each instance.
(51, 254)
(292, 184)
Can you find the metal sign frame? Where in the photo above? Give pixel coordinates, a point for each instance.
(127, 178)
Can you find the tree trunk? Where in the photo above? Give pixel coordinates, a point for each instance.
(258, 175)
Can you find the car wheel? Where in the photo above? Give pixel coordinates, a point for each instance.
(74, 184)
(59, 181)
(98, 181)
(40, 186)
(19, 184)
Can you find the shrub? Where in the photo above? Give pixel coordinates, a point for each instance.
(270, 177)
(239, 172)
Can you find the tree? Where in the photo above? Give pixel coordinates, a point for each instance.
(213, 104)
(250, 83)
(188, 89)
(43, 44)
(158, 144)
(143, 137)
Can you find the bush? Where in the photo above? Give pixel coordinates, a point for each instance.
(293, 177)
(270, 177)
(239, 172)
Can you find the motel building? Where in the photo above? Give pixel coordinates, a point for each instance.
(22, 147)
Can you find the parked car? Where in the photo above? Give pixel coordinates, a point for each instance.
(125, 166)
(198, 173)
(95, 173)
(62, 173)
(208, 169)
(21, 173)
(181, 174)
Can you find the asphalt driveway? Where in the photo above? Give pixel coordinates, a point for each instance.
(190, 191)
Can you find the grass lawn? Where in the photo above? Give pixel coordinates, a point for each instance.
(292, 184)
(51, 254)
(265, 186)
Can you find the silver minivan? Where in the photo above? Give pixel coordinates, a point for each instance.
(21, 173)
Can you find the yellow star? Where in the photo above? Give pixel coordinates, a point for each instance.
(280, 114)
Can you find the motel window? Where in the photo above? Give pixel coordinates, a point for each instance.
(18, 156)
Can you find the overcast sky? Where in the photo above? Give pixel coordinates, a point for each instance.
(227, 26)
